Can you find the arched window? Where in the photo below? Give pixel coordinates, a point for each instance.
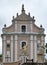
(23, 28)
(23, 44)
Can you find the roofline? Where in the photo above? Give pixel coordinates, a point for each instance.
(39, 27)
(8, 27)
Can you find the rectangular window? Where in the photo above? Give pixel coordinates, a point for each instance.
(46, 50)
(23, 28)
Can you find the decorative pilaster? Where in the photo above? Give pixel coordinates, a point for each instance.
(43, 47)
(4, 48)
(15, 26)
(8, 56)
(15, 47)
(42, 40)
(31, 46)
(35, 48)
(11, 48)
(31, 26)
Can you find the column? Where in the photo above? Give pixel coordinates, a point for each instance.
(15, 47)
(15, 26)
(11, 48)
(4, 48)
(31, 46)
(35, 48)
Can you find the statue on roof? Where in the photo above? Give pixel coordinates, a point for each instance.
(23, 8)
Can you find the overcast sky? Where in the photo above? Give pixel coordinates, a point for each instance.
(9, 8)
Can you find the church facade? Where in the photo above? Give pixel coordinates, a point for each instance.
(23, 39)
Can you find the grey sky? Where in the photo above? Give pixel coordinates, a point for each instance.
(9, 8)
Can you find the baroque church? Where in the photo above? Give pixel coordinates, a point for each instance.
(23, 39)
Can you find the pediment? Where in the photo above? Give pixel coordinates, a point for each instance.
(24, 17)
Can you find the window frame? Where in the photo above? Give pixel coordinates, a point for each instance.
(21, 27)
(21, 43)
